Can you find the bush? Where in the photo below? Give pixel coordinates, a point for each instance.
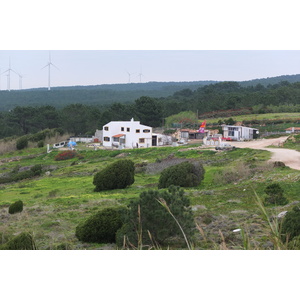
(40, 144)
(36, 170)
(64, 155)
(279, 164)
(294, 244)
(101, 227)
(147, 215)
(118, 175)
(290, 227)
(275, 195)
(24, 241)
(22, 143)
(16, 207)
(184, 174)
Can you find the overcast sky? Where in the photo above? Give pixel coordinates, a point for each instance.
(92, 67)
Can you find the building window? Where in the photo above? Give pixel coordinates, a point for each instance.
(106, 139)
(137, 131)
(115, 139)
(122, 128)
(106, 128)
(141, 141)
(128, 129)
(231, 130)
(146, 130)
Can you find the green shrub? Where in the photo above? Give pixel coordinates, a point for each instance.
(36, 170)
(118, 175)
(22, 143)
(101, 227)
(16, 207)
(275, 195)
(147, 215)
(40, 144)
(184, 174)
(23, 241)
(294, 244)
(290, 227)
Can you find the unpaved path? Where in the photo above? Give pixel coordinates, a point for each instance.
(291, 158)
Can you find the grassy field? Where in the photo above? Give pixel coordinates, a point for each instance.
(56, 202)
(270, 116)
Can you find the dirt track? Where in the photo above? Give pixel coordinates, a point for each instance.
(291, 158)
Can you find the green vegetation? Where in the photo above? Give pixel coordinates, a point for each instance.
(16, 207)
(293, 142)
(101, 227)
(118, 175)
(69, 113)
(23, 241)
(275, 195)
(63, 198)
(290, 228)
(185, 174)
(149, 222)
(22, 143)
(16, 175)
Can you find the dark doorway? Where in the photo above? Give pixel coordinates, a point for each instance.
(154, 140)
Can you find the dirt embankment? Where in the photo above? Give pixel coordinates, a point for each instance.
(291, 158)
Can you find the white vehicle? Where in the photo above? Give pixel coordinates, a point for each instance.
(225, 146)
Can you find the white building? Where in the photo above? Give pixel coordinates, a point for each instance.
(293, 130)
(239, 133)
(128, 134)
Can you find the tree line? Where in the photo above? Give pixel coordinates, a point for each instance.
(84, 119)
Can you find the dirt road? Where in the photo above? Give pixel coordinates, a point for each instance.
(291, 158)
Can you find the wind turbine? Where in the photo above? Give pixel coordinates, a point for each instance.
(49, 64)
(20, 80)
(129, 74)
(8, 75)
(140, 75)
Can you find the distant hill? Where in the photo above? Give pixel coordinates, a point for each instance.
(108, 93)
(271, 80)
(93, 95)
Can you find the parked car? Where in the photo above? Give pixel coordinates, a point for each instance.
(225, 146)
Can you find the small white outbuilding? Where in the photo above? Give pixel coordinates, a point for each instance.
(239, 133)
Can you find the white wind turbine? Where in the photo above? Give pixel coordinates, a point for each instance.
(129, 74)
(49, 64)
(140, 75)
(8, 75)
(20, 80)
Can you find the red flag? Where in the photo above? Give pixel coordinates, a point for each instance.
(202, 127)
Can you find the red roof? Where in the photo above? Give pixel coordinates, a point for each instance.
(118, 135)
(295, 128)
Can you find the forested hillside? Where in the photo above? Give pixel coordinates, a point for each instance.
(92, 95)
(208, 101)
(106, 94)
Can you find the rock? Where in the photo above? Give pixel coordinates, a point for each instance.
(198, 207)
(122, 154)
(282, 214)
(234, 201)
(279, 164)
